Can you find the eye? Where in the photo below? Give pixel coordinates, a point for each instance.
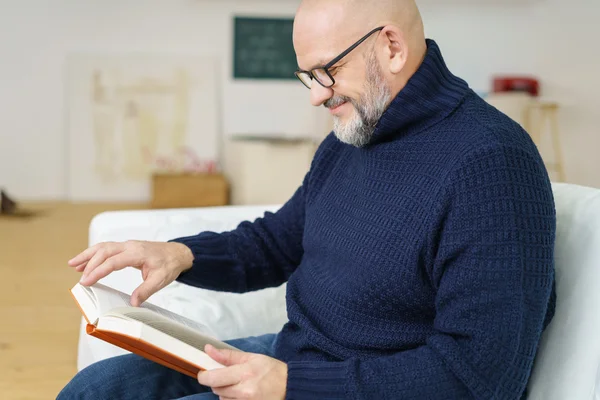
(336, 68)
(333, 70)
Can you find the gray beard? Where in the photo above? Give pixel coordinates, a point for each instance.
(359, 130)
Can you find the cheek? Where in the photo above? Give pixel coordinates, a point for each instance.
(350, 83)
(348, 86)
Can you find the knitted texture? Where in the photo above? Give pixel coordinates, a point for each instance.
(419, 266)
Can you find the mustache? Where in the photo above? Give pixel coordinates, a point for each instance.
(337, 101)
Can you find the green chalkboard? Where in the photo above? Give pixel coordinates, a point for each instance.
(263, 48)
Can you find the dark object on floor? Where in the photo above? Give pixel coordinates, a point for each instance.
(10, 209)
(7, 205)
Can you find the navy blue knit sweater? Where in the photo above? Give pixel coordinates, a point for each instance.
(419, 266)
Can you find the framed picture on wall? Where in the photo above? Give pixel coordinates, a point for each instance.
(263, 48)
(130, 116)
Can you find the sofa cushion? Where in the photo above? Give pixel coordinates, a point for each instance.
(227, 315)
(568, 359)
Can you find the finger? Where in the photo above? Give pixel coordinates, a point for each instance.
(221, 377)
(111, 264)
(84, 256)
(214, 353)
(226, 357)
(153, 284)
(237, 392)
(227, 392)
(101, 255)
(80, 267)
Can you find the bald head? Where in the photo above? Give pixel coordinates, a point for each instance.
(341, 22)
(371, 75)
(353, 13)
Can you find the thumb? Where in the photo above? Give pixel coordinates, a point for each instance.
(145, 290)
(226, 357)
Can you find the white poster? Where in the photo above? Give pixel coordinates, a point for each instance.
(131, 116)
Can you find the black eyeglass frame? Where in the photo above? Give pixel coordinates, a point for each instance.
(333, 62)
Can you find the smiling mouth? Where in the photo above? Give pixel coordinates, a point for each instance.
(336, 108)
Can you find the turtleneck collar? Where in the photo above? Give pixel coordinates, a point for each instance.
(430, 95)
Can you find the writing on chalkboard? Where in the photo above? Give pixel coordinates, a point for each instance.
(263, 48)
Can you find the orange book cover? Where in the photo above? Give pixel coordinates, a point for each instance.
(145, 350)
(141, 348)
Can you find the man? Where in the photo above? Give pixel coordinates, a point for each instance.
(418, 251)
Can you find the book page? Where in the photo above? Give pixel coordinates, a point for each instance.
(114, 302)
(108, 298)
(178, 318)
(85, 298)
(197, 338)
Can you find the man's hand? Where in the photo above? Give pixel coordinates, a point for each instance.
(160, 263)
(247, 376)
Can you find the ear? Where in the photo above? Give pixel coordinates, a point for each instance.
(395, 49)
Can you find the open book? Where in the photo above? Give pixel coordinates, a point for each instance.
(149, 331)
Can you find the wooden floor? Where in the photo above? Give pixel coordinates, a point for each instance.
(38, 320)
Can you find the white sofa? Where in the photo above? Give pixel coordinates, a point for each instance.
(568, 363)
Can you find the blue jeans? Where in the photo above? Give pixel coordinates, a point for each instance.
(133, 377)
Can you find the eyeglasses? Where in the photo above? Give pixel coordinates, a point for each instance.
(322, 74)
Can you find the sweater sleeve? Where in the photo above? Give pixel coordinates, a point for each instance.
(255, 255)
(492, 267)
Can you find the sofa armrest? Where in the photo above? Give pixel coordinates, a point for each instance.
(163, 225)
(228, 315)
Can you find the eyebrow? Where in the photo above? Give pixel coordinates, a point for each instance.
(320, 64)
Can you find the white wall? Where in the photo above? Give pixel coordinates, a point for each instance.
(553, 39)
(37, 35)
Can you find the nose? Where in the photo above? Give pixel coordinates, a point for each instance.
(319, 94)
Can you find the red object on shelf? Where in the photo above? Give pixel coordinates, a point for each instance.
(516, 84)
